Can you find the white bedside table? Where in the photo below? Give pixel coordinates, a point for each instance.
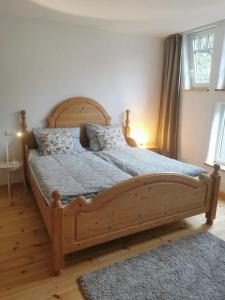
(11, 168)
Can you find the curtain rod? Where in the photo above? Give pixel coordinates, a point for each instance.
(203, 27)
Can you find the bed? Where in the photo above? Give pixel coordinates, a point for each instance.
(132, 205)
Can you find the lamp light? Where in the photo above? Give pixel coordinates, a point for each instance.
(140, 136)
(19, 134)
(11, 133)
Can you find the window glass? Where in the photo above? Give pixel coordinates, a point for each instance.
(201, 57)
(222, 148)
(216, 151)
(220, 153)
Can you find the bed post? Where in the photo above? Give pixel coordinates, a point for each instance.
(127, 124)
(23, 120)
(215, 177)
(131, 142)
(25, 149)
(57, 234)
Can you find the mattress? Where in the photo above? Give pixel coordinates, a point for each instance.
(81, 174)
(138, 161)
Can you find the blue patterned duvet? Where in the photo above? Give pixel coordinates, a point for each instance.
(88, 173)
(75, 174)
(138, 161)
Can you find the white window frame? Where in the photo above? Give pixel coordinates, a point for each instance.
(220, 137)
(191, 56)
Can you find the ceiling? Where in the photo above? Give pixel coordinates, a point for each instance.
(154, 17)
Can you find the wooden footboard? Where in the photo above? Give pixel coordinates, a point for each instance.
(134, 205)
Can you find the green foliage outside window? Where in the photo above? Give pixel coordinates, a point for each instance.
(202, 47)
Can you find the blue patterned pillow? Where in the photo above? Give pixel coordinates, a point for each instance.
(54, 142)
(75, 132)
(111, 139)
(92, 130)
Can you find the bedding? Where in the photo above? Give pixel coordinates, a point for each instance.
(81, 174)
(57, 142)
(75, 132)
(32, 153)
(97, 142)
(91, 130)
(138, 161)
(111, 139)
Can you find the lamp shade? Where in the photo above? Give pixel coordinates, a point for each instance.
(12, 133)
(140, 136)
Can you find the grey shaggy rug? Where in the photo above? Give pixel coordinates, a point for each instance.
(189, 269)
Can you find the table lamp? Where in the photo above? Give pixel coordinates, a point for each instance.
(8, 134)
(140, 137)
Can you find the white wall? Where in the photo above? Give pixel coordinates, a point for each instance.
(197, 110)
(42, 63)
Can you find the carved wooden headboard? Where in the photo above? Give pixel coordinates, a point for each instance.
(74, 112)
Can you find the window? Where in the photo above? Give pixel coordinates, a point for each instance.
(221, 79)
(216, 153)
(201, 50)
(220, 145)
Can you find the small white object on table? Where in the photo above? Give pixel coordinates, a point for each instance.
(11, 167)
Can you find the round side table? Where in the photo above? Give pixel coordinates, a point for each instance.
(11, 168)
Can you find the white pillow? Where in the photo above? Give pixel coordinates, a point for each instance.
(56, 142)
(112, 138)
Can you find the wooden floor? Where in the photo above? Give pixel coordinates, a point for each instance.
(25, 257)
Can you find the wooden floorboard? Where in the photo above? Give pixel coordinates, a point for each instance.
(25, 256)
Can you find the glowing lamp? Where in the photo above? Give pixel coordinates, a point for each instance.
(140, 137)
(19, 134)
(10, 134)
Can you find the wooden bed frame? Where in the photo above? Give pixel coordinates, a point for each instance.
(131, 206)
